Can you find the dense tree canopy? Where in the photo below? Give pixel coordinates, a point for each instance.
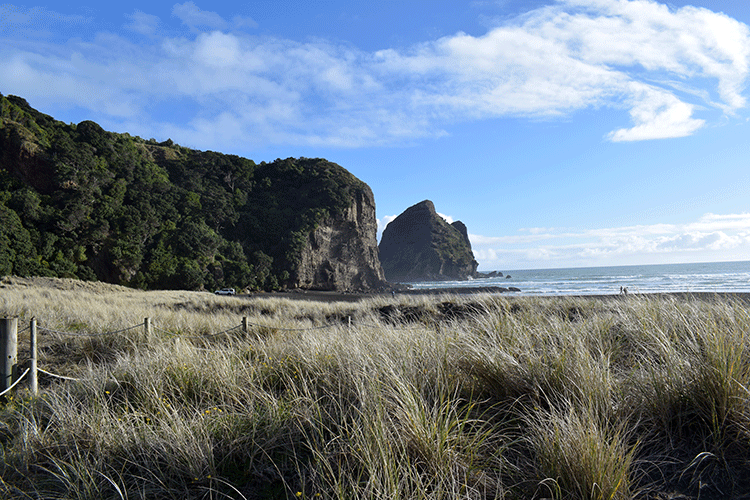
(78, 201)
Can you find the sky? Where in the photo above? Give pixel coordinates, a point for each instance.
(563, 133)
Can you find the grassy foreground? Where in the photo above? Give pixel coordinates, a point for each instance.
(411, 397)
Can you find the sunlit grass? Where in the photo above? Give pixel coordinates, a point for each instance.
(418, 397)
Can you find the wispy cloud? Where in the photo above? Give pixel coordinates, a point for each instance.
(712, 237)
(666, 68)
(194, 17)
(145, 24)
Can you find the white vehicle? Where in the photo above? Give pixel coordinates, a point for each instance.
(225, 291)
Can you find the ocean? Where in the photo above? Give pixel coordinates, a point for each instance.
(729, 277)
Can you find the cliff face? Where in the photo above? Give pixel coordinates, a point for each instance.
(342, 253)
(419, 245)
(77, 201)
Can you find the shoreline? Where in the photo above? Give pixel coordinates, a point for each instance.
(337, 296)
(333, 296)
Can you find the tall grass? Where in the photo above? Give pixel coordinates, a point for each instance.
(440, 397)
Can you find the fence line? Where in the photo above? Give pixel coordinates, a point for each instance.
(147, 325)
(198, 337)
(140, 325)
(79, 334)
(55, 375)
(293, 329)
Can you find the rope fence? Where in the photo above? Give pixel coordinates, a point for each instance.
(9, 345)
(62, 377)
(294, 329)
(6, 391)
(82, 334)
(197, 337)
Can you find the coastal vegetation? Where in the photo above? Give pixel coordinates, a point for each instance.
(406, 397)
(77, 201)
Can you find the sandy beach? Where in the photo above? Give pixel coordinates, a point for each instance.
(332, 296)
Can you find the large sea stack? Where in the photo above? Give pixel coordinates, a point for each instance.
(78, 201)
(419, 245)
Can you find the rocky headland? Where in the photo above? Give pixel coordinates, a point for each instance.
(77, 201)
(419, 245)
(341, 254)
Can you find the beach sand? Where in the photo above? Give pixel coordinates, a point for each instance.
(331, 296)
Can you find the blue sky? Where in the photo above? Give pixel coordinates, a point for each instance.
(563, 133)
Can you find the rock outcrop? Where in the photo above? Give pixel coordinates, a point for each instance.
(79, 202)
(419, 245)
(342, 253)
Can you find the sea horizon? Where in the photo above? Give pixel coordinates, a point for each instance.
(724, 277)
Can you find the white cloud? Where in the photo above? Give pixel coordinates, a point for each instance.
(40, 18)
(662, 66)
(217, 49)
(712, 237)
(578, 53)
(145, 24)
(657, 115)
(446, 218)
(194, 17)
(715, 222)
(699, 241)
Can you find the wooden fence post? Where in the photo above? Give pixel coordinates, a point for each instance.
(147, 327)
(8, 351)
(33, 381)
(244, 324)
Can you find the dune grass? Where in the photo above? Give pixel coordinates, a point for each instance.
(411, 397)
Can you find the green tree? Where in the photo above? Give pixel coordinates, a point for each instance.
(81, 201)
(17, 254)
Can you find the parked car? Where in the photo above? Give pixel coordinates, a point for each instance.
(225, 291)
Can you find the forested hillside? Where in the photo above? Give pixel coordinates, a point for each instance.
(78, 201)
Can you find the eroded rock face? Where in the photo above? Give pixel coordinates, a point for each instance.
(342, 253)
(419, 245)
